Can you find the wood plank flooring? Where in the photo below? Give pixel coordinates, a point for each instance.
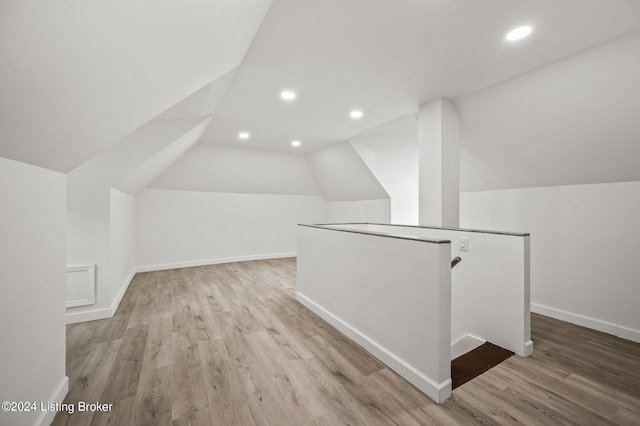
(229, 345)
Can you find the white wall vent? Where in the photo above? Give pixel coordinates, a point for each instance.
(81, 289)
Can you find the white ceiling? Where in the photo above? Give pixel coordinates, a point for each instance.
(388, 57)
(134, 157)
(78, 76)
(146, 172)
(573, 122)
(342, 175)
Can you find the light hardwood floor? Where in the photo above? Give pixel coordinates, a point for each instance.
(229, 345)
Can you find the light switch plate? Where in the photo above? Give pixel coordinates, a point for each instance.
(464, 243)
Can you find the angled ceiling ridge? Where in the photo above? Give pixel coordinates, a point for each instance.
(121, 159)
(342, 174)
(147, 171)
(203, 101)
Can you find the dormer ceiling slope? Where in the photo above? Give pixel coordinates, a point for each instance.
(386, 58)
(77, 77)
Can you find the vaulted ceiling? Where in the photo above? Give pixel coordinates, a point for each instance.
(79, 78)
(572, 122)
(388, 57)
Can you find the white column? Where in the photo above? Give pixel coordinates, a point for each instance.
(439, 164)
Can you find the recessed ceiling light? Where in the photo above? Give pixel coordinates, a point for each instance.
(243, 135)
(519, 33)
(288, 95)
(295, 143)
(356, 114)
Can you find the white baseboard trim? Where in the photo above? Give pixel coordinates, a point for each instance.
(588, 322)
(103, 313)
(629, 334)
(439, 392)
(528, 348)
(204, 262)
(123, 290)
(84, 316)
(58, 395)
(465, 344)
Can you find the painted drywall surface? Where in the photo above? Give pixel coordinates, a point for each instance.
(124, 158)
(216, 168)
(72, 60)
(495, 270)
(388, 57)
(378, 211)
(156, 164)
(32, 282)
(123, 241)
(174, 227)
(574, 121)
(439, 164)
(204, 101)
(584, 247)
(89, 198)
(88, 240)
(391, 153)
(390, 295)
(343, 176)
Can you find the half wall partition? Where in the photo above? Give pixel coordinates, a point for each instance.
(392, 290)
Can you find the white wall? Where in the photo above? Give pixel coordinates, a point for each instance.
(584, 248)
(101, 231)
(88, 235)
(131, 162)
(391, 153)
(439, 164)
(375, 211)
(495, 270)
(122, 242)
(392, 296)
(182, 228)
(32, 286)
(214, 168)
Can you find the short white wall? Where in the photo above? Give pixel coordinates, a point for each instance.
(584, 249)
(32, 283)
(489, 287)
(102, 232)
(123, 243)
(88, 235)
(390, 295)
(359, 211)
(187, 228)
